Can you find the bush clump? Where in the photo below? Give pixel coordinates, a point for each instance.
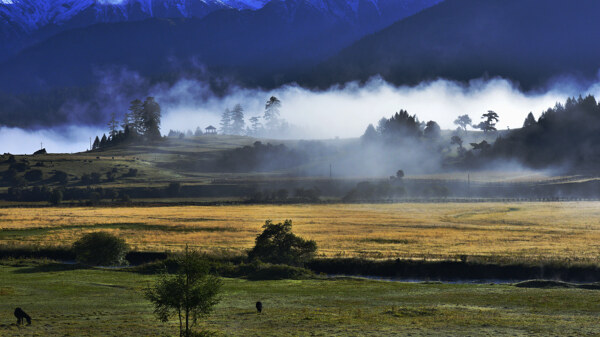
(277, 244)
(100, 249)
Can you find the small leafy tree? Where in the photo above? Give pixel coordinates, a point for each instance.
(190, 294)
(277, 244)
(463, 121)
(100, 249)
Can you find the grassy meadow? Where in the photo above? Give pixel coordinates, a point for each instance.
(560, 231)
(94, 302)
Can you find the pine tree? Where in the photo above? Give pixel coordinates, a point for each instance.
(271, 115)
(134, 117)
(237, 119)
(198, 132)
(151, 114)
(103, 141)
(96, 143)
(529, 121)
(256, 125)
(112, 126)
(226, 122)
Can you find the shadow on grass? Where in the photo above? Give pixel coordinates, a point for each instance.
(50, 267)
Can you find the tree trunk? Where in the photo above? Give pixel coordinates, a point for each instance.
(187, 327)
(180, 322)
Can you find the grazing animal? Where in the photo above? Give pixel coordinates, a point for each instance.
(259, 307)
(20, 315)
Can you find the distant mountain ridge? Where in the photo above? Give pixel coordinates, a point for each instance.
(25, 22)
(531, 42)
(282, 35)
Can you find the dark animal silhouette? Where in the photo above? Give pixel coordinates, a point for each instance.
(259, 307)
(20, 315)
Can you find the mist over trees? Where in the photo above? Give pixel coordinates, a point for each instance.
(141, 122)
(567, 134)
(269, 124)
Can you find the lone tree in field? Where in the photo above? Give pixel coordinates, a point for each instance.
(190, 294)
(277, 244)
(489, 124)
(100, 249)
(463, 121)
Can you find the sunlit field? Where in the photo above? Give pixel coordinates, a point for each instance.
(568, 231)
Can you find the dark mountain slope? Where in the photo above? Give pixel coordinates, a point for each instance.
(255, 47)
(529, 41)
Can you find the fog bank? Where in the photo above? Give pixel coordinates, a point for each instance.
(342, 111)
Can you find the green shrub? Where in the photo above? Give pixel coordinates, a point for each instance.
(277, 244)
(100, 249)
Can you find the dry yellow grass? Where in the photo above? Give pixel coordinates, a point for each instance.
(568, 231)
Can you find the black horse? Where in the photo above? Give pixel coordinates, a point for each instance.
(20, 315)
(259, 307)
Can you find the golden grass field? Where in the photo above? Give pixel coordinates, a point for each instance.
(561, 231)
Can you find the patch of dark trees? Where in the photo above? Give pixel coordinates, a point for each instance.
(453, 270)
(260, 158)
(566, 135)
(140, 124)
(67, 254)
(157, 262)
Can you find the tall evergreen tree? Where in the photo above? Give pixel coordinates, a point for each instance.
(256, 125)
(272, 113)
(151, 114)
(103, 141)
(134, 117)
(96, 143)
(529, 121)
(237, 120)
(226, 122)
(112, 126)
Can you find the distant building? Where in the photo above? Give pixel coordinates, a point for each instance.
(210, 130)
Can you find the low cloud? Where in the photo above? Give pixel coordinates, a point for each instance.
(66, 139)
(341, 111)
(345, 111)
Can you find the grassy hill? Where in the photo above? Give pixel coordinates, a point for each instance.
(200, 169)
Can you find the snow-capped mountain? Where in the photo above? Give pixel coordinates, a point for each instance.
(60, 45)
(27, 16)
(27, 22)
